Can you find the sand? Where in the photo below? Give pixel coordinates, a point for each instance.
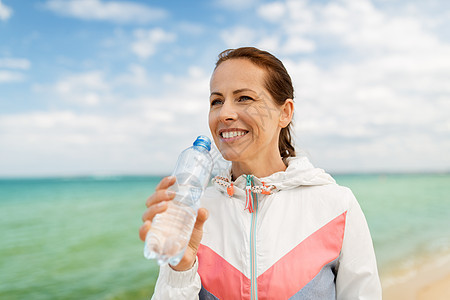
(428, 282)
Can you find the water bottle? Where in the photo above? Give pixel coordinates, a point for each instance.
(171, 230)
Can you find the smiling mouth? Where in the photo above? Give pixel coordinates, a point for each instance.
(233, 134)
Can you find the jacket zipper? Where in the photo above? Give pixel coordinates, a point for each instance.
(254, 285)
(253, 262)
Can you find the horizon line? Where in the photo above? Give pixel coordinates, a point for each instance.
(130, 175)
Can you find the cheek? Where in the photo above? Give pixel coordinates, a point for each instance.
(264, 123)
(255, 117)
(212, 121)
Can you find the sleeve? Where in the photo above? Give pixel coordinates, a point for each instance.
(173, 284)
(357, 274)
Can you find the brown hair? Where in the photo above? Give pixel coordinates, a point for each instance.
(278, 83)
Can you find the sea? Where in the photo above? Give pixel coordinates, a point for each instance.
(77, 237)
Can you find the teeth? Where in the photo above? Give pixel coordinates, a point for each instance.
(231, 134)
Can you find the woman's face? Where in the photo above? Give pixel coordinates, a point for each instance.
(243, 118)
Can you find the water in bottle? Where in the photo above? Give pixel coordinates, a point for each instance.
(171, 230)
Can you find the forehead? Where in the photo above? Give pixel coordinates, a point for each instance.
(237, 73)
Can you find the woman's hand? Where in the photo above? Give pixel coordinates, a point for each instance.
(157, 203)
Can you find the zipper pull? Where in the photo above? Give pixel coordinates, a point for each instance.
(265, 189)
(249, 195)
(230, 190)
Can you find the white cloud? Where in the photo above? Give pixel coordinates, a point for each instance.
(136, 76)
(302, 17)
(236, 5)
(138, 135)
(90, 88)
(147, 41)
(5, 12)
(359, 25)
(66, 142)
(15, 63)
(373, 105)
(238, 36)
(10, 76)
(297, 44)
(269, 43)
(372, 93)
(354, 109)
(289, 24)
(272, 12)
(112, 11)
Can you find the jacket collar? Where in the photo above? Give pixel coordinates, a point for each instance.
(299, 172)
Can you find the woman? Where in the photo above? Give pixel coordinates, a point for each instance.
(278, 228)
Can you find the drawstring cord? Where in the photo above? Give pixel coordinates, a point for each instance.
(251, 191)
(249, 194)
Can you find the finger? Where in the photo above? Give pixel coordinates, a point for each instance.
(202, 216)
(144, 229)
(165, 183)
(150, 212)
(197, 233)
(158, 196)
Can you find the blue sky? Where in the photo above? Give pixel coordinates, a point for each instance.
(121, 87)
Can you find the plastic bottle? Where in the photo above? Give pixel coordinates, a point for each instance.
(171, 230)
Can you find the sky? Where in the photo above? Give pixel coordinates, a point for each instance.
(97, 87)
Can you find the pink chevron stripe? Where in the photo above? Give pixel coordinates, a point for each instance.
(219, 277)
(298, 267)
(285, 278)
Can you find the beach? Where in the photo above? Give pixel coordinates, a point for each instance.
(428, 282)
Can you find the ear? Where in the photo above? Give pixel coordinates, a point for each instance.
(287, 112)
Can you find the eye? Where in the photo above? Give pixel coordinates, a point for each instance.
(216, 102)
(244, 99)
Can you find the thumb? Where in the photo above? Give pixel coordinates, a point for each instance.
(197, 233)
(188, 259)
(202, 216)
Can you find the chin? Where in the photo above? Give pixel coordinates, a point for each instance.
(229, 157)
(232, 155)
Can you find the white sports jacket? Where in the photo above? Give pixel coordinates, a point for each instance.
(292, 235)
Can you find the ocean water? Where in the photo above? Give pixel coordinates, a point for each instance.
(77, 238)
(408, 216)
(74, 238)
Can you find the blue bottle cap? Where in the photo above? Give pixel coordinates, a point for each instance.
(203, 141)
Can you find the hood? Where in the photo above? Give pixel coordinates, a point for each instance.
(300, 172)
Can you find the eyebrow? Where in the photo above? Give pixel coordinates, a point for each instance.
(243, 90)
(216, 93)
(234, 92)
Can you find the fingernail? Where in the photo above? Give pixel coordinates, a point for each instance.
(170, 194)
(171, 178)
(161, 204)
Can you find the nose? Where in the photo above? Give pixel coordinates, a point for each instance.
(228, 112)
